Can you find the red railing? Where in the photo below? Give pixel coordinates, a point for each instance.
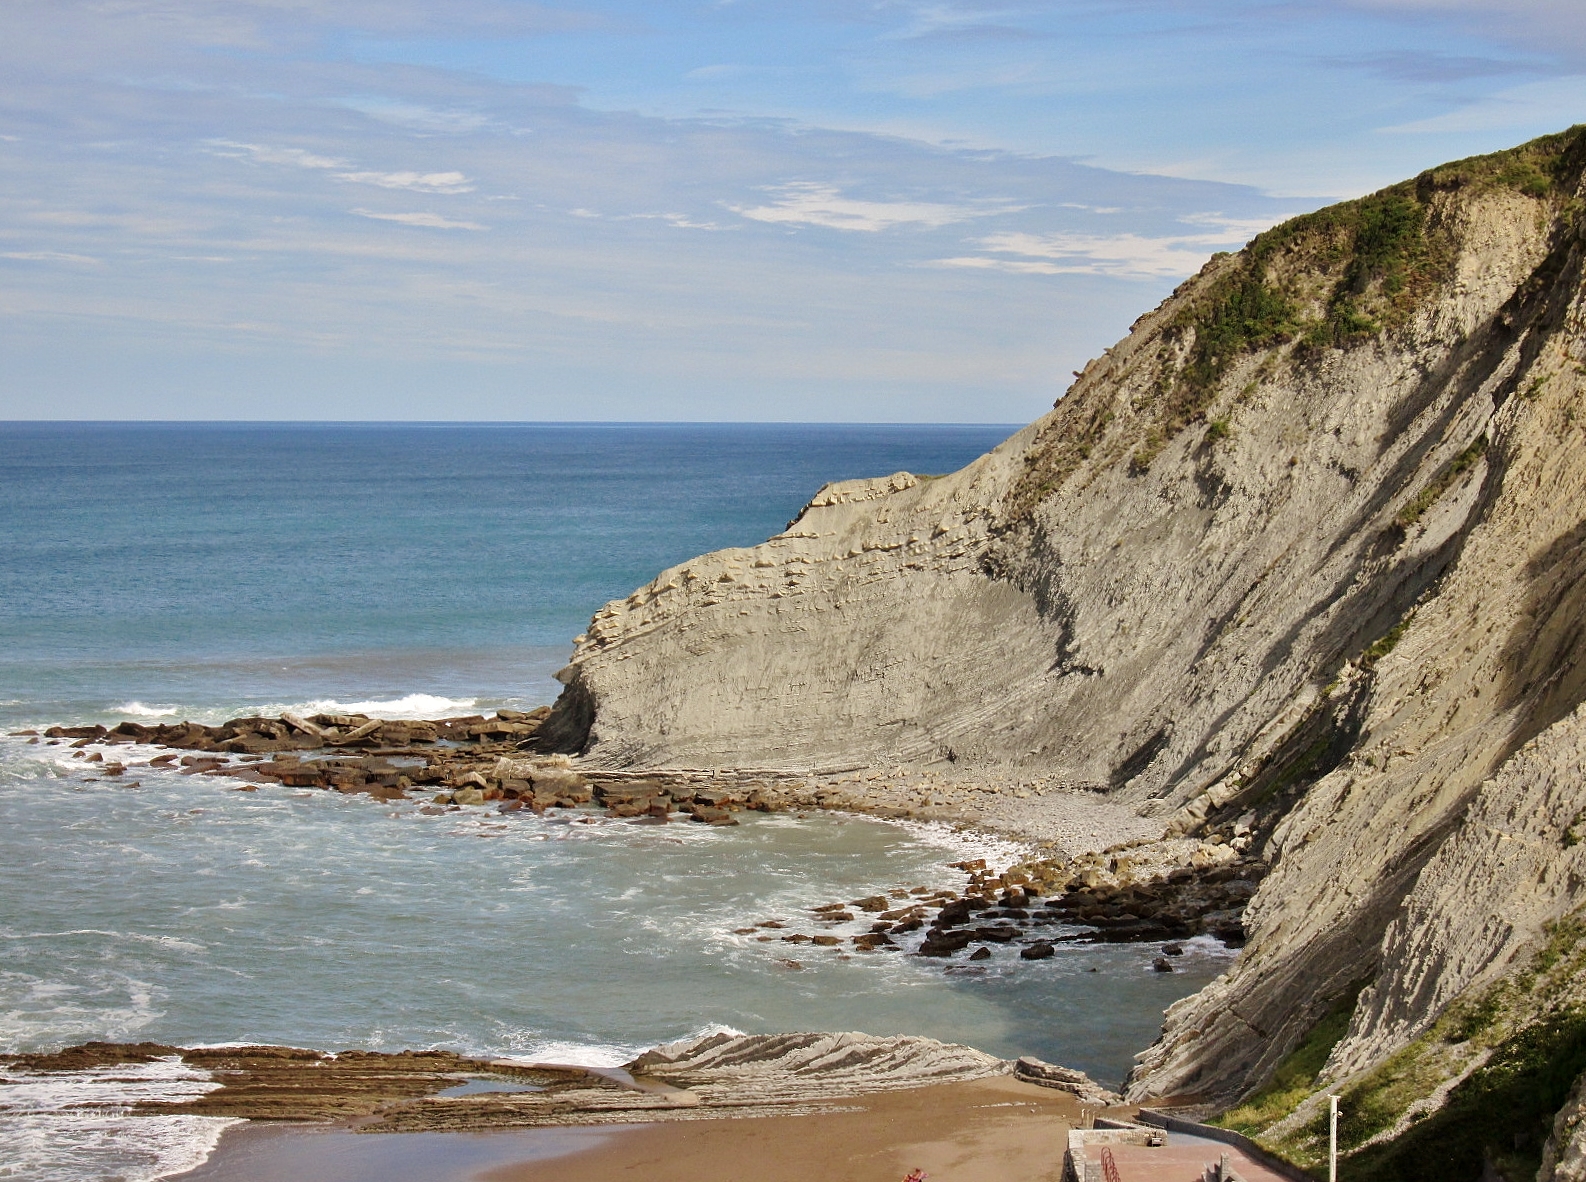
(1109, 1167)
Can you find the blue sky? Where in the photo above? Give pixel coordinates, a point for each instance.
(749, 209)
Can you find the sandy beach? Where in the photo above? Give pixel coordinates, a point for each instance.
(988, 1130)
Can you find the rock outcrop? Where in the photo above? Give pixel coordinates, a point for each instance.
(1305, 549)
(784, 1068)
(1564, 1158)
(424, 1091)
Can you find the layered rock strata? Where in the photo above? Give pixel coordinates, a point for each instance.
(411, 1091)
(1302, 555)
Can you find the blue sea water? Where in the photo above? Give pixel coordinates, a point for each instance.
(223, 566)
(204, 571)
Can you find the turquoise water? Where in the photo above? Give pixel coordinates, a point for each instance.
(204, 571)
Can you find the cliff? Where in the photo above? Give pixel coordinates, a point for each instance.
(1307, 545)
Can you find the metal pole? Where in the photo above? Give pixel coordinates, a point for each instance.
(1332, 1139)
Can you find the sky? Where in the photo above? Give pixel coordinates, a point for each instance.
(795, 210)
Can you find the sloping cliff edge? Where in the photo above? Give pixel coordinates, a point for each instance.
(1305, 549)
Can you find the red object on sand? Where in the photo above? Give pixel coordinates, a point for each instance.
(916, 1176)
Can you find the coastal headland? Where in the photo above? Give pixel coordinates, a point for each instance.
(1269, 632)
(1299, 562)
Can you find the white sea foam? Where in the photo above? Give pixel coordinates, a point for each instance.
(583, 1054)
(166, 1080)
(99, 1003)
(578, 1054)
(71, 1126)
(76, 1147)
(414, 705)
(163, 941)
(408, 706)
(999, 852)
(139, 710)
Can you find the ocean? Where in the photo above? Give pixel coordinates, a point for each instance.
(165, 571)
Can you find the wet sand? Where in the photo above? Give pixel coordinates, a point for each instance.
(260, 1152)
(988, 1130)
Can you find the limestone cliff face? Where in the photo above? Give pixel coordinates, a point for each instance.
(1307, 544)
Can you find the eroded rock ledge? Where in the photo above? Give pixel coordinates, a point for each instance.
(419, 1091)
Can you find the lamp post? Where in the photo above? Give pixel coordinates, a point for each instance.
(1332, 1138)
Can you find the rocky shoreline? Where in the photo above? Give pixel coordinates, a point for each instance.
(1072, 889)
(438, 1091)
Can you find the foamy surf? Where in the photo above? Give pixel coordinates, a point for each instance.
(407, 706)
(75, 1126)
(139, 710)
(91, 1002)
(583, 1054)
(109, 712)
(83, 1147)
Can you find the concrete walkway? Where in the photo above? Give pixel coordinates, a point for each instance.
(1183, 1159)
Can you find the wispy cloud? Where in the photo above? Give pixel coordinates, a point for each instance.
(955, 21)
(417, 182)
(810, 203)
(680, 220)
(432, 221)
(46, 256)
(1549, 104)
(452, 120)
(265, 154)
(811, 298)
(1419, 67)
(1125, 256)
(413, 181)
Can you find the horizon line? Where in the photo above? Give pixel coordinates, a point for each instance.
(502, 423)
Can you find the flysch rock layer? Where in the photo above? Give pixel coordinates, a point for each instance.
(407, 1091)
(1327, 575)
(787, 1068)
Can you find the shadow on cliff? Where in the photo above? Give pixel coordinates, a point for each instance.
(571, 719)
(1544, 674)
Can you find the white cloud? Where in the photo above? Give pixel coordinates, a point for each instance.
(680, 220)
(1240, 230)
(268, 155)
(433, 221)
(1554, 103)
(684, 222)
(808, 203)
(46, 256)
(1126, 256)
(454, 121)
(417, 182)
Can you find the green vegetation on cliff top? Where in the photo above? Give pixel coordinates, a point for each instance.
(1339, 276)
(1331, 279)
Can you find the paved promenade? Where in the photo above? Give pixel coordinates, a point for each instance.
(1183, 1159)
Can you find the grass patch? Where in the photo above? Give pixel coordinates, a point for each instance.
(1502, 1113)
(1442, 482)
(1385, 643)
(1531, 1026)
(1295, 1078)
